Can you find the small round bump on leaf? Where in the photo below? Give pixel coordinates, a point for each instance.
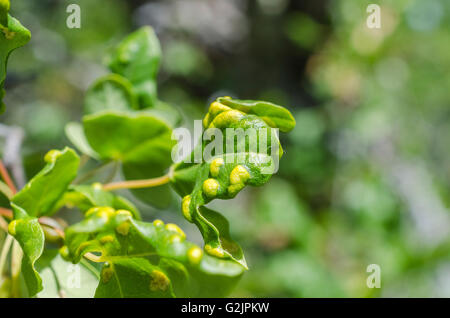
(215, 165)
(175, 228)
(52, 155)
(64, 251)
(97, 186)
(210, 187)
(185, 208)
(158, 223)
(106, 212)
(124, 213)
(159, 281)
(123, 228)
(239, 175)
(12, 227)
(195, 255)
(106, 239)
(107, 273)
(214, 251)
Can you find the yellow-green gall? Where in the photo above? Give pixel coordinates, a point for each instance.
(176, 238)
(97, 186)
(195, 255)
(64, 251)
(158, 223)
(159, 281)
(106, 213)
(185, 208)
(206, 120)
(106, 239)
(214, 251)
(12, 227)
(175, 228)
(215, 165)
(225, 119)
(216, 108)
(4, 5)
(124, 213)
(123, 228)
(239, 175)
(107, 273)
(52, 155)
(91, 211)
(210, 187)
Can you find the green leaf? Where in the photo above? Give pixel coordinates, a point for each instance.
(140, 141)
(12, 36)
(37, 198)
(86, 197)
(39, 195)
(248, 162)
(275, 116)
(75, 133)
(28, 232)
(137, 58)
(148, 259)
(111, 92)
(63, 279)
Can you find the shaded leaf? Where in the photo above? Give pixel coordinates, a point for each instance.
(140, 141)
(74, 132)
(137, 58)
(111, 92)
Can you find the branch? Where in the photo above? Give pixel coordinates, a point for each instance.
(136, 184)
(5, 175)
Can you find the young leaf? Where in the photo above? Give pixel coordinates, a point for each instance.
(140, 141)
(39, 195)
(12, 36)
(248, 162)
(137, 58)
(147, 259)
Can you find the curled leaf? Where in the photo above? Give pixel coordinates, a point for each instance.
(248, 160)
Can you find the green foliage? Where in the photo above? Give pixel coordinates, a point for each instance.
(147, 259)
(12, 36)
(227, 173)
(125, 122)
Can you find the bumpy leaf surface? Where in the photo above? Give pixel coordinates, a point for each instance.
(147, 259)
(248, 161)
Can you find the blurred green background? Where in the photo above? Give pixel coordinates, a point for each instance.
(365, 177)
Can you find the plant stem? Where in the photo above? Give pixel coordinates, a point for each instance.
(137, 184)
(5, 175)
(7, 213)
(93, 257)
